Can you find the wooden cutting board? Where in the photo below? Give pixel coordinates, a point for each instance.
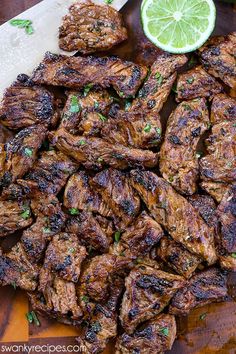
(215, 332)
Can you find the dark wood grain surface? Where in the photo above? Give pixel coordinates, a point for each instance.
(216, 333)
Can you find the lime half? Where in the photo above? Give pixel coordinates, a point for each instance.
(178, 26)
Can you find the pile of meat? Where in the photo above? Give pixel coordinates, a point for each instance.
(123, 225)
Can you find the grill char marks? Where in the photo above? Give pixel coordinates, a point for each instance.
(33, 106)
(89, 28)
(178, 161)
(76, 72)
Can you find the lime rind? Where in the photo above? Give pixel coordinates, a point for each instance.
(191, 32)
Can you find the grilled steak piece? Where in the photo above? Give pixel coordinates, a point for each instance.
(19, 154)
(89, 28)
(156, 89)
(218, 58)
(76, 72)
(64, 256)
(101, 320)
(80, 196)
(85, 111)
(196, 83)
(50, 220)
(57, 300)
(14, 215)
(215, 189)
(223, 108)
(135, 129)
(16, 270)
(227, 217)
(175, 214)
(203, 288)
(115, 188)
(138, 239)
(206, 207)
(148, 292)
(90, 233)
(94, 153)
(178, 161)
(177, 257)
(49, 173)
(25, 104)
(97, 279)
(154, 336)
(220, 164)
(13, 192)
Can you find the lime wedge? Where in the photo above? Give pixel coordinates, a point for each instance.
(178, 26)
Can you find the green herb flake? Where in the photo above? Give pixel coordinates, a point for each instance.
(26, 213)
(73, 211)
(233, 255)
(117, 236)
(26, 24)
(82, 142)
(208, 125)
(35, 318)
(29, 29)
(100, 159)
(127, 105)
(159, 78)
(102, 117)
(174, 88)
(158, 130)
(121, 94)
(74, 105)
(234, 125)
(85, 299)
(147, 128)
(164, 331)
(108, 2)
(190, 80)
(29, 317)
(203, 316)
(72, 250)
(46, 230)
(28, 151)
(171, 179)
(96, 105)
(14, 285)
(187, 107)
(192, 61)
(199, 154)
(87, 88)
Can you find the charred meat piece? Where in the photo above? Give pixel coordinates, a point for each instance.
(101, 321)
(196, 83)
(206, 207)
(13, 192)
(94, 153)
(223, 108)
(14, 215)
(135, 129)
(227, 217)
(148, 292)
(85, 111)
(138, 239)
(57, 300)
(218, 58)
(64, 257)
(80, 196)
(215, 189)
(177, 257)
(76, 72)
(49, 222)
(49, 174)
(96, 281)
(16, 270)
(115, 188)
(89, 28)
(156, 89)
(175, 214)
(25, 104)
(178, 161)
(220, 164)
(203, 288)
(89, 231)
(154, 336)
(20, 153)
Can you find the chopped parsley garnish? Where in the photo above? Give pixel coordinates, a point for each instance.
(174, 88)
(121, 94)
(82, 142)
(26, 213)
(85, 299)
(171, 179)
(192, 61)
(32, 318)
(159, 78)
(127, 105)
(233, 255)
(234, 125)
(72, 250)
(202, 316)
(158, 130)
(74, 105)
(147, 128)
(28, 152)
(96, 105)
(87, 88)
(117, 236)
(108, 1)
(164, 331)
(46, 230)
(73, 211)
(187, 107)
(190, 80)
(102, 117)
(14, 285)
(26, 24)
(100, 159)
